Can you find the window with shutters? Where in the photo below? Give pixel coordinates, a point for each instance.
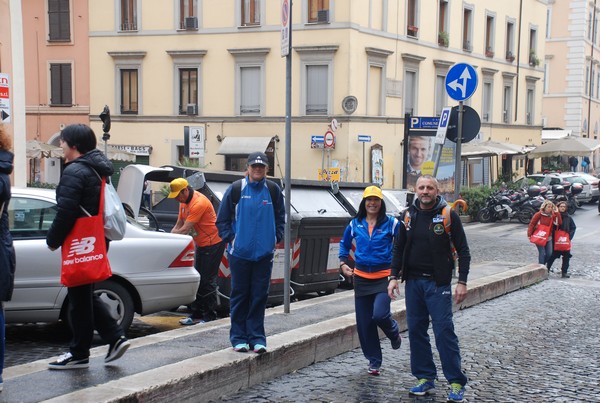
(188, 14)
(129, 91)
(128, 21)
(188, 91)
(250, 80)
(412, 18)
(440, 94)
(410, 92)
(467, 29)
(59, 21)
(61, 88)
(316, 78)
(250, 12)
(318, 11)
(316, 89)
(487, 100)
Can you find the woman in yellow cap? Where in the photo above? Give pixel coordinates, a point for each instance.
(373, 231)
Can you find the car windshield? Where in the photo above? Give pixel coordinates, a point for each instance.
(551, 180)
(576, 179)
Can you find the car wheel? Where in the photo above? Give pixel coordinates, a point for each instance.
(118, 300)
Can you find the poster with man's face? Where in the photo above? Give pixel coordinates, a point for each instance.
(420, 151)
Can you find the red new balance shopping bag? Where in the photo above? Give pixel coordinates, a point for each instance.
(562, 242)
(84, 259)
(540, 235)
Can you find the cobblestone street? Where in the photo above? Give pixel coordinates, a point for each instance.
(534, 345)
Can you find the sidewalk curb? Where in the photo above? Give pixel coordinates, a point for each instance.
(225, 372)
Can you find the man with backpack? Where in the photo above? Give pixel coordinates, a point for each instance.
(573, 161)
(423, 258)
(251, 219)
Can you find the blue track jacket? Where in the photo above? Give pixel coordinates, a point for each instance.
(252, 226)
(373, 253)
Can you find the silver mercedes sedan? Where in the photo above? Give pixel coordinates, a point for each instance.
(152, 271)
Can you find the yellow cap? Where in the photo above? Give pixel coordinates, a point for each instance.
(372, 191)
(177, 185)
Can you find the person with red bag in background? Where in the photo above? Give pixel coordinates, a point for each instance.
(566, 229)
(547, 219)
(80, 186)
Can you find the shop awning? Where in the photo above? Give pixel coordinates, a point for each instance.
(488, 148)
(555, 134)
(243, 145)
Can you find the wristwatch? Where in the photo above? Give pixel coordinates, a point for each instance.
(390, 278)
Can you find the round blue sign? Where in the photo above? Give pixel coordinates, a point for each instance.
(461, 81)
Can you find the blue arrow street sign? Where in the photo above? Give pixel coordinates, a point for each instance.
(461, 81)
(317, 139)
(364, 139)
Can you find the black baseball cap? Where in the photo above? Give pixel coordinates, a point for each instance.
(258, 158)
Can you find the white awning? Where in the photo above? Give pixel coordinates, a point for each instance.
(555, 134)
(243, 145)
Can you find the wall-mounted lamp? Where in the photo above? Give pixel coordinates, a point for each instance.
(220, 138)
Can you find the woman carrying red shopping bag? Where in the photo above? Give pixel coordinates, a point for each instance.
(540, 230)
(79, 199)
(562, 240)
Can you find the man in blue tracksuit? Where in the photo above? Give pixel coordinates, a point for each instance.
(251, 219)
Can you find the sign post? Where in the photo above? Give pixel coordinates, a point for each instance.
(461, 83)
(364, 139)
(196, 142)
(440, 137)
(286, 43)
(5, 112)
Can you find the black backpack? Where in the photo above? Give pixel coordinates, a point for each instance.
(236, 192)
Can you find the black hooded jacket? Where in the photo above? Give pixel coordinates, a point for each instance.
(7, 251)
(78, 186)
(437, 251)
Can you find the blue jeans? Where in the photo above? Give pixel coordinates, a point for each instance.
(544, 252)
(249, 292)
(424, 299)
(371, 311)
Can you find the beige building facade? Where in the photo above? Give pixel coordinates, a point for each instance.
(212, 72)
(572, 69)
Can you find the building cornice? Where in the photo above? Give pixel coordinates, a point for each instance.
(187, 53)
(409, 57)
(127, 54)
(488, 72)
(249, 51)
(317, 49)
(376, 52)
(442, 63)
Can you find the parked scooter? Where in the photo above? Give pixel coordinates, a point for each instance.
(565, 192)
(504, 205)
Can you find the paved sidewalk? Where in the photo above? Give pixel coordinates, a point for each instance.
(188, 363)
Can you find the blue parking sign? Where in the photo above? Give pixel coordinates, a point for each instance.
(461, 81)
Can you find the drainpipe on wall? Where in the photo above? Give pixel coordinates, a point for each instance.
(518, 59)
(589, 125)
